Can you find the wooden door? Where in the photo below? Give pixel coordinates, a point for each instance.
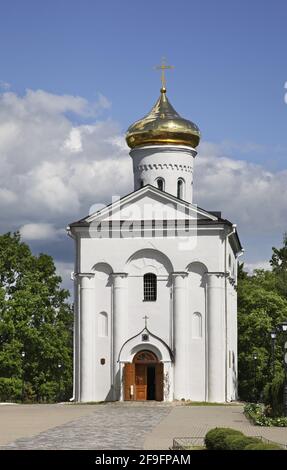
(159, 381)
(141, 382)
(129, 382)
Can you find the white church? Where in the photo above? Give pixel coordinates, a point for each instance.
(155, 280)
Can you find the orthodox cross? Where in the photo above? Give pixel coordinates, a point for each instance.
(163, 67)
(145, 318)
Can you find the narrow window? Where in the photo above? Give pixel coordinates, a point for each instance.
(180, 188)
(160, 184)
(141, 183)
(150, 287)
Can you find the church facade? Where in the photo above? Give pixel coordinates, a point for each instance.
(155, 280)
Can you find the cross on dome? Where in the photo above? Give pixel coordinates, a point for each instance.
(163, 67)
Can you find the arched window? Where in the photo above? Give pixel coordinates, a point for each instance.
(150, 287)
(160, 184)
(145, 356)
(180, 188)
(103, 324)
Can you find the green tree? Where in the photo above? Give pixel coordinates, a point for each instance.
(241, 273)
(35, 326)
(279, 266)
(260, 308)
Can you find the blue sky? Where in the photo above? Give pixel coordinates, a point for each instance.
(229, 58)
(230, 69)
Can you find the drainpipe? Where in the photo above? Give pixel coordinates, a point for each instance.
(225, 302)
(74, 341)
(69, 233)
(237, 256)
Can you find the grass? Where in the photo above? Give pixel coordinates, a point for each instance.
(206, 403)
(87, 402)
(194, 448)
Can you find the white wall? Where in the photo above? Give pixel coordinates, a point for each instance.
(167, 162)
(196, 373)
(136, 256)
(159, 312)
(103, 296)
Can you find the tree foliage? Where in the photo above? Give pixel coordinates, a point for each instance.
(262, 305)
(35, 326)
(279, 266)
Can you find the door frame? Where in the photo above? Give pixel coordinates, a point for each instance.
(143, 357)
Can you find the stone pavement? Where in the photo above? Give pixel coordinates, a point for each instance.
(126, 425)
(107, 426)
(27, 420)
(195, 421)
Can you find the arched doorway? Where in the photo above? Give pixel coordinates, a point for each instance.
(143, 378)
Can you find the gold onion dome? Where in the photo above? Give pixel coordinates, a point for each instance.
(163, 125)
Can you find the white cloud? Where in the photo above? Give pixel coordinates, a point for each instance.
(227, 147)
(42, 102)
(53, 170)
(7, 197)
(247, 194)
(4, 85)
(40, 231)
(64, 269)
(250, 267)
(103, 102)
(74, 141)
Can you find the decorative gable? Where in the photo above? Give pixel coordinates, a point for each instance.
(149, 203)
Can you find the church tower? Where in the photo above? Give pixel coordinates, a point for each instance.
(163, 150)
(155, 280)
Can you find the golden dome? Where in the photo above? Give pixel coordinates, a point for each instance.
(163, 125)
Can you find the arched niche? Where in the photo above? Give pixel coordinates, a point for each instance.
(149, 261)
(196, 327)
(102, 271)
(103, 324)
(197, 297)
(198, 270)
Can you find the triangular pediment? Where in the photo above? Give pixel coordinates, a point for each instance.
(149, 203)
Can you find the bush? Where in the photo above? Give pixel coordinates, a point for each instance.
(48, 392)
(214, 439)
(273, 395)
(10, 389)
(235, 442)
(255, 413)
(231, 439)
(263, 446)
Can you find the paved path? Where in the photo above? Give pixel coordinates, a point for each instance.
(137, 425)
(108, 426)
(27, 420)
(195, 421)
